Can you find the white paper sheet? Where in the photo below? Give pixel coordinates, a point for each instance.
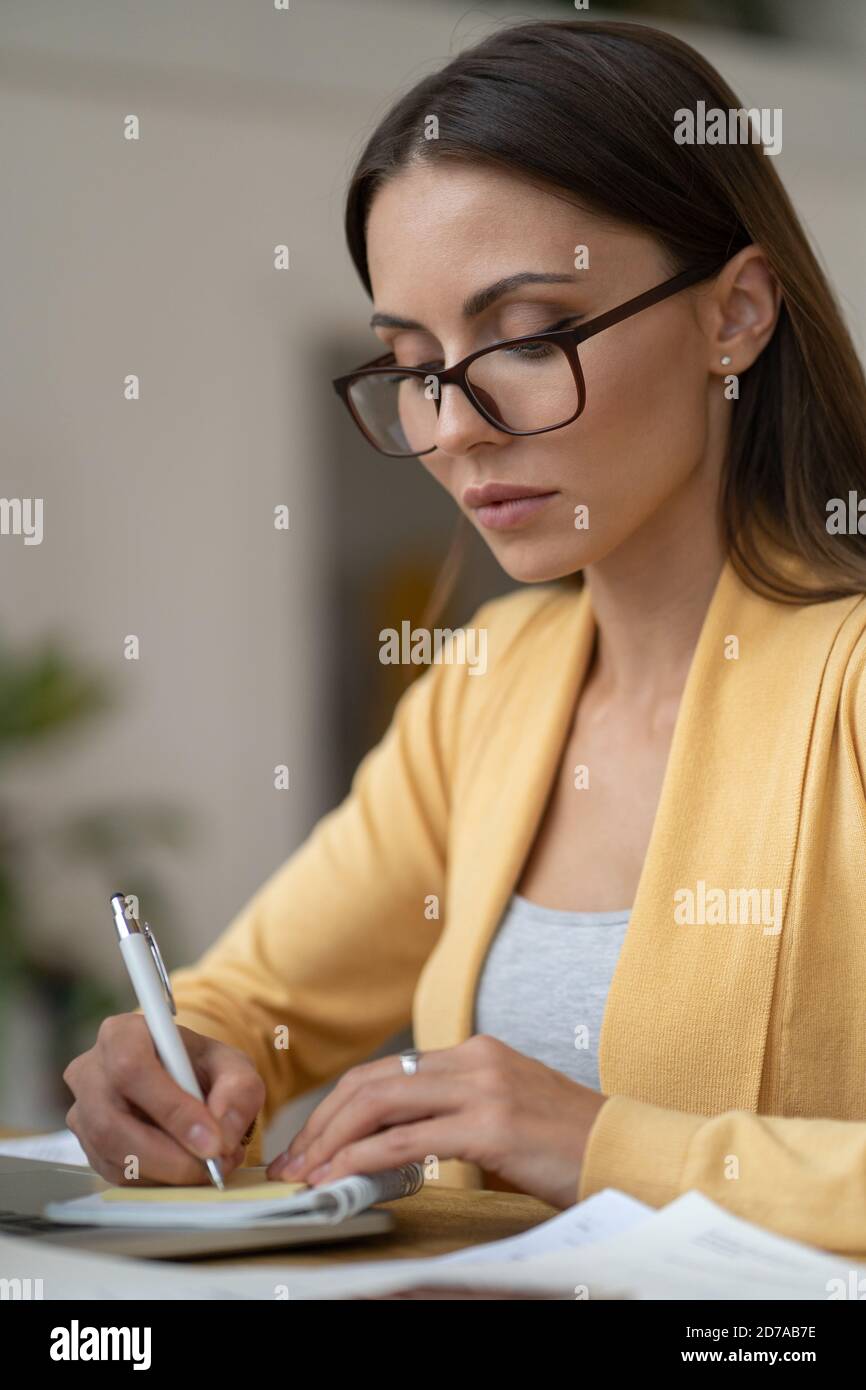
(61, 1146)
(605, 1214)
(691, 1249)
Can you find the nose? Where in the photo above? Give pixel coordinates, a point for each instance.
(459, 424)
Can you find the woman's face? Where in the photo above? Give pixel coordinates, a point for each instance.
(438, 234)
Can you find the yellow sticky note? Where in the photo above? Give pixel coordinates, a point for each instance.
(235, 1192)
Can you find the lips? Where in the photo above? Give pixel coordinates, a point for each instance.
(483, 495)
(505, 506)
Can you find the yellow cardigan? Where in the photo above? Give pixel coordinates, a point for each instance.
(733, 1056)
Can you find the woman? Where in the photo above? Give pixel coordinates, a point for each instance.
(649, 806)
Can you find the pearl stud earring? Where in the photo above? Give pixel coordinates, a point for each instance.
(726, 361)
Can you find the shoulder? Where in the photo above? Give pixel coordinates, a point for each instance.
(514, 643)
(526, 618)
(509, 642)
(826, 641)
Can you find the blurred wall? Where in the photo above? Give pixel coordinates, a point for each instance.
(155, 257)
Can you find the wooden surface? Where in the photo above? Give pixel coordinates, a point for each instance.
(433, 1222)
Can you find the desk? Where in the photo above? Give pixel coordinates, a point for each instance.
(433, 1222)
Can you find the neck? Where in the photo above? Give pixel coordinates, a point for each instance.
(650, 598)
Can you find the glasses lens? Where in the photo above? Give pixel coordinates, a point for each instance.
(398, 412)
(526, 387)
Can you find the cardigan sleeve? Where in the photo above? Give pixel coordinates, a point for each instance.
(320, 967)
(804, 1178)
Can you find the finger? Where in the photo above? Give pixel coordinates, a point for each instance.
(441, 1059)
(140, 1078)
(112, 1172)
(109, 1171)
(125, 1149)
(235, 1091)
(379, 1104)
(447, 1136)
(228, 1163)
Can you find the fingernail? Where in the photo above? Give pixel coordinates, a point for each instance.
(204, 1141)
(295, 1164)
(319, 1172)
(277, 1165)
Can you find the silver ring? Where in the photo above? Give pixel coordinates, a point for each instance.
(409, 1061)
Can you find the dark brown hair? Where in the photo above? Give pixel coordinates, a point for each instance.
(590, 109)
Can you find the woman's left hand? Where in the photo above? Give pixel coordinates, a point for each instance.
(479, 1101)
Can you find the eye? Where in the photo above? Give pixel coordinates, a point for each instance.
(536, 351)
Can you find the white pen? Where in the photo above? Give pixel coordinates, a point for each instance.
(153, 991)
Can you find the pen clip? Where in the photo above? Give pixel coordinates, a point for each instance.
(163, 973)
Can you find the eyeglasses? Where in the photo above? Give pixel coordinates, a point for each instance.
(525, 385)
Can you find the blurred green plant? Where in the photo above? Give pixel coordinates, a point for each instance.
(45, 694)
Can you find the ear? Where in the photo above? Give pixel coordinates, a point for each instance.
(741, 312)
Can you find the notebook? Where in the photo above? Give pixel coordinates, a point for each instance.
(246, 1201)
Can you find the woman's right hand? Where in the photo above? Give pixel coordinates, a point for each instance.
(127, 1107)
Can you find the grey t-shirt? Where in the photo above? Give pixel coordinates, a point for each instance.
(544, 984)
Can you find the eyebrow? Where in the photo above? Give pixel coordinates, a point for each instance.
(482, 299)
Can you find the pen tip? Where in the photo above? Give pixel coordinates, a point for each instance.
(215, 1173)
